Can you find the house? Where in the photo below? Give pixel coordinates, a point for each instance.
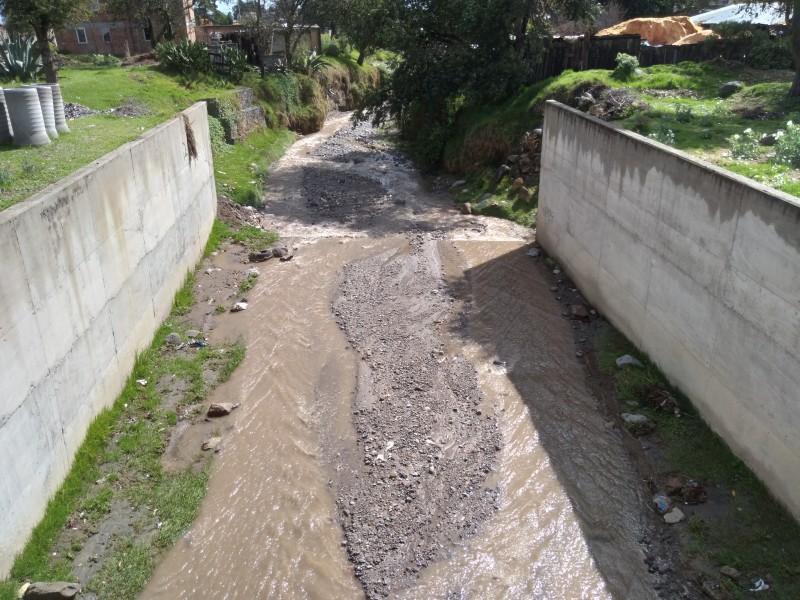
(103, 34)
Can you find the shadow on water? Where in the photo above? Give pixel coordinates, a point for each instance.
(343, 186)
(517, 320)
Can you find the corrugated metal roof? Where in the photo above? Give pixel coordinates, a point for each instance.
(772, 14)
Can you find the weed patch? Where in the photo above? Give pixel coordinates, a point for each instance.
(254, 238)
(747, 529)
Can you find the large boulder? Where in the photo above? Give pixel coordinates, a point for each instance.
(730, 88)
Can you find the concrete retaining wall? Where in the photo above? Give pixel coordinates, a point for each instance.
(90, 268)
(699, 267)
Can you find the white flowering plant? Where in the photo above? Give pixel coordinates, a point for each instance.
(744, 146)
(663, 134)
(787, 146)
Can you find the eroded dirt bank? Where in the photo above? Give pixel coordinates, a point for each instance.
(413, 420)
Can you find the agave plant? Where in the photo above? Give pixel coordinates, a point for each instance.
(19, 57)
(310, 63)
(184, 56)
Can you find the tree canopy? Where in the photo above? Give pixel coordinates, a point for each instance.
(39, 17)
(456, 53)
(160, 17)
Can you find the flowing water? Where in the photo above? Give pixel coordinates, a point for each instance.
(568, 504)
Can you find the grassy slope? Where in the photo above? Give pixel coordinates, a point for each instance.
(241, 170)
(485, 135)
(23, 171)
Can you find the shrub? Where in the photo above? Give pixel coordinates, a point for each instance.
(683, 113)
(309, 63)
(745, 146)
(752, 45)
(19, 57)
(184, 56)
(236, 62)
(787, 147)
(626, 66)
(770, 53)
(217, 134)
(663, 134)
(105, 60)
(330, 46)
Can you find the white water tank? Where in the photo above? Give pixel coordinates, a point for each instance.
(58, 108)
(5, 124)
(25, 113)
(46, 102)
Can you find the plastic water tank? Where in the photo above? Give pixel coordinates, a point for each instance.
(46, 101)
(5, 124)
(25, 113)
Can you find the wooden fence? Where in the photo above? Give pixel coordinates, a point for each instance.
(580, 53)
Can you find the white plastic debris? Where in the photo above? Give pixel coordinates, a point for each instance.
(628, 361)
(759, 586)
(142, 382)
(239, 307)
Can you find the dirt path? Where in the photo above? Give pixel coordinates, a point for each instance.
(413, 420)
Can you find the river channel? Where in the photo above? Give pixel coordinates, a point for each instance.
(413, 422)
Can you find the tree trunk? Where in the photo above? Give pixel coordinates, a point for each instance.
(50, 73)
(362, 54)
(794, 46)
(288, 48)
(794, 91)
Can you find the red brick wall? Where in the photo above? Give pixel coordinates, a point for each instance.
(121, 31)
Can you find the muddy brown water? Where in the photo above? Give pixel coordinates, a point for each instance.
(568, 503)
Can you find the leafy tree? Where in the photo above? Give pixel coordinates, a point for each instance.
(292, 16)
(160, 17)
(457, 53)
(367, 24)
(39, 17)
(208, 10)
(791, 9)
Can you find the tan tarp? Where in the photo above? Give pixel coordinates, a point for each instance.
(659, 31)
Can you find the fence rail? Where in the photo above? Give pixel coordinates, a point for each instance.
(580, 53)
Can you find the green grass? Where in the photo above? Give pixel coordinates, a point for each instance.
(505, 202)
(220, 231)
(254, 238)
(24, 171)
(242, 171)
(131, 436)
(486, 135)
(248, 283)
(756, 535)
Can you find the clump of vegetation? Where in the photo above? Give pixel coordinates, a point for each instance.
(663, 134)
(248, 283)
(185, 57)
(683, 113)
(105, 60)
(310, 63)
(745, 146)
(787, 146)
(217, 134)
(19, 57)
(254, 238)
(625, 66)
(235, 62)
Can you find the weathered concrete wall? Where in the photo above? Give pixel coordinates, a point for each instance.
(90, 268)
(699, 267)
